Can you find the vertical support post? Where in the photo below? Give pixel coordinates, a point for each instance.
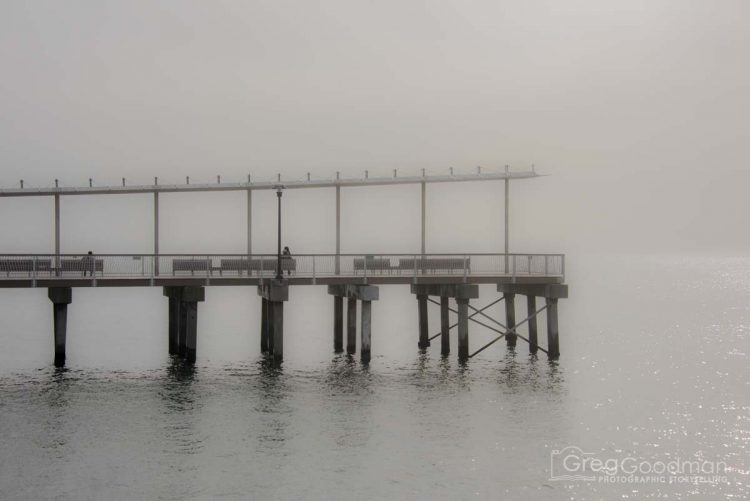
(424, 210)
(507, 217)
(277, 308)
(60, 319)
(510, 319)
(191, 329)
(338, 324)
(174, 325)
(57, 234)
(366, 329)
(463, 329)
(424, 335)
(156, 233)
(338, 230)
(351, 326)
(61, 297)
(264, 325)
(182, 332)
(249, 224)
(553, 338)
(445, 340)
(531, 307)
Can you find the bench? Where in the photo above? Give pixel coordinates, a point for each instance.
(258, 265)
(25, 265)
(371, 264)
(191, 265)
(434, 264)
(82, 265)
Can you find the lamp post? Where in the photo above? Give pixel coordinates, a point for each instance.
(279, 274)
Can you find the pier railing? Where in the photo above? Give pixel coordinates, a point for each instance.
(67, 266)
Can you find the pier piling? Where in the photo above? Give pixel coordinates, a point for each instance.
(274, 293)
(445, 339)
(366, 330)
(61, 297)
(553, 338)
(338, 324)
(463, 328)
(351, 326)
(424, 335)
(531, 308)
(510, 319)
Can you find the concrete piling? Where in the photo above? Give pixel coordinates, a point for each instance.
(366, 330)
(277, 311)
(338, 324)
(353, 292)
(61, 297)
(174, 325)
(424, 335)
(510, 319)
(183, 319)
(264, 326)
(274, 293)
(553, 338)
(531, 308)
(445, 340)
(351, 326)
(463, 328)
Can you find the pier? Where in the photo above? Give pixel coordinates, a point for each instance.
(449, 281)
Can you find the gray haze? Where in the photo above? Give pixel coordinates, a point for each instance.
(638, 109)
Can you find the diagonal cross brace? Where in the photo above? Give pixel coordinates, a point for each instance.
(537, 312)
(470, 316)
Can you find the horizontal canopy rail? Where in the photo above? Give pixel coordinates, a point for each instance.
(265, 185)
(360, 266)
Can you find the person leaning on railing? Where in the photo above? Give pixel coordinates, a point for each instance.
(286, 257)
(89, 264)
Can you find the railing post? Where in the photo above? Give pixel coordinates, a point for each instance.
(546, 266)
(529, 270)
(365, 269)
(313, 259)
(33, 274)
(415, 268)
(513, 270)
(562, 257)
(466, 268)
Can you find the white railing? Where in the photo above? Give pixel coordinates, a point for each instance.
(96, 266)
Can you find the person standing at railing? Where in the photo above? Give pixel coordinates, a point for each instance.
(286, 257)
(88, 263)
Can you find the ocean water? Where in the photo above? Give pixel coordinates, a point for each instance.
(654, 369)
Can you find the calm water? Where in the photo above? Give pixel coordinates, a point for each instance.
(654, 366)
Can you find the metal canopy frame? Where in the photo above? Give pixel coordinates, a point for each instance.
(249, 186)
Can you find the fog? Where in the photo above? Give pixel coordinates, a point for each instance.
(637, 110)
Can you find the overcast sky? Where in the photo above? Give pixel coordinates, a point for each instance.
(638, 109)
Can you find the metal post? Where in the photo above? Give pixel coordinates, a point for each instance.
(424, 206)
(507, 216)
(156, 233)
(279, 274)
(338, 230)
(57, 234)
(249, 223)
